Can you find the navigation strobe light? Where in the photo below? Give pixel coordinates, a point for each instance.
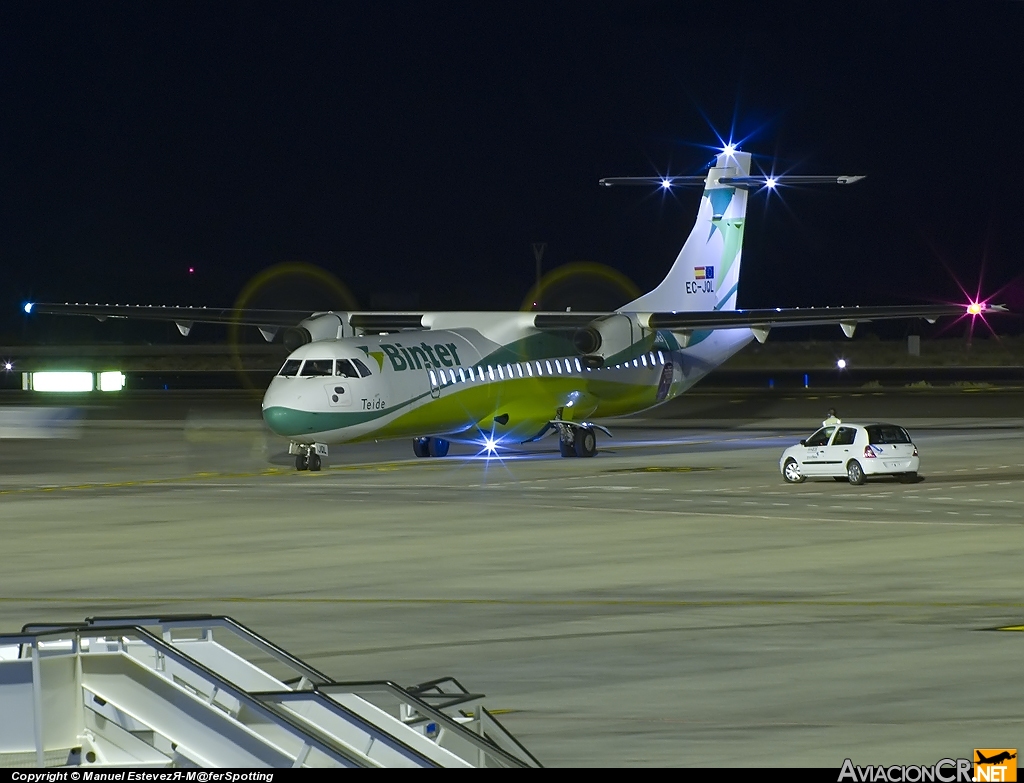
(841, 364)
(975, 308)
(770, 183)
(28, 307)
(729, 148)
(666, 183)
(490, 446)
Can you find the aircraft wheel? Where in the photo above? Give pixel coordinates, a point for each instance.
(855, 473)
(301, 462)
(421, 447)
(586, 443)
(314, 462)
(566, 449)
(437, 447)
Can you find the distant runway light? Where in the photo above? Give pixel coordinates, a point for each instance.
(841, 364)
(191, 270)
(8, 366)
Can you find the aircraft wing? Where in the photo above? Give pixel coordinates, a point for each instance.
(267, 321)
(190, 315)
(761, 321)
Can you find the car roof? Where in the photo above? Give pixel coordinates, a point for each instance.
(862, 426)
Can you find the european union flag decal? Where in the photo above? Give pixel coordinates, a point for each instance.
(704, 273)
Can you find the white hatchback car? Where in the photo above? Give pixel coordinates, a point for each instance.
(852, 452)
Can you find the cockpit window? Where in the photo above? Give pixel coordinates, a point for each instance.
(290, 368)
(346, 369)
(363, 369)
(316, 367)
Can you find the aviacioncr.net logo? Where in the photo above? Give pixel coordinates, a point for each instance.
(942, 771)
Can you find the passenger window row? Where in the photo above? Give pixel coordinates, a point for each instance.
(532, 369)
(354, 368)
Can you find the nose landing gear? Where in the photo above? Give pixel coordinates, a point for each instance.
(307, 456)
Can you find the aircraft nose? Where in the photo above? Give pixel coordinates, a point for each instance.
(283, 421)
(280, 416)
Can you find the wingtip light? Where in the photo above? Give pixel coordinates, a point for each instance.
(975, 308)
(29, 306)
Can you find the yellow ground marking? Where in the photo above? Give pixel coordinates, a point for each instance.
(1011, 628)
(364, 466)
(662, 469)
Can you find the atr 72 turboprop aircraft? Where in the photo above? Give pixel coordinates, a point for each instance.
(513, 377)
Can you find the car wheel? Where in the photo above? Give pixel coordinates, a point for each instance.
(855, 473)
(791, 472)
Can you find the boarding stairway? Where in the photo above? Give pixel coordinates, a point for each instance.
(205, 691)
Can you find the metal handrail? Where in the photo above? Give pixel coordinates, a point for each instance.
(342, 711)
(340, 754)
(480, 742)
(221, 621)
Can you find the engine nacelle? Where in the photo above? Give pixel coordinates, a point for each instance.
(607, 336)
(319, 326)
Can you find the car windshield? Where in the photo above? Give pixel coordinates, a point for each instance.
(820, 438)
(315, 367)
(880, 434)
(290, 368)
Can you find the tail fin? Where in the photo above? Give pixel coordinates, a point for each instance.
(706, 273)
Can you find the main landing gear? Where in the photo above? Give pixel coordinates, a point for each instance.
(307, 457)
(576, 441)
(430, 447)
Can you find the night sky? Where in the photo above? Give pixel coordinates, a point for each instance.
(416, 150)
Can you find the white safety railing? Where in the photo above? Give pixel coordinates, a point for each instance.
(207, 691)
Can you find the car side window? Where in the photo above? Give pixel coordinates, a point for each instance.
(845, 437)
(820, 438)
